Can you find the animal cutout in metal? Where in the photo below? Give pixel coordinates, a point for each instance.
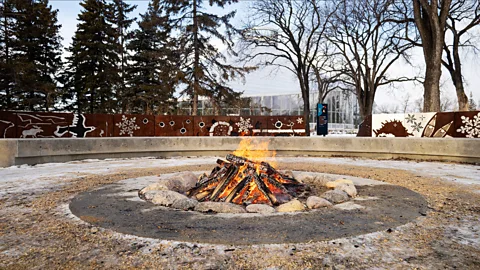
(77, 128)
(392, 128)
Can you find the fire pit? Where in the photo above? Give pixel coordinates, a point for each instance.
(242, 181)
(246, 192)
(247, 183)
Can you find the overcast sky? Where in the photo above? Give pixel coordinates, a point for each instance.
(266, 82)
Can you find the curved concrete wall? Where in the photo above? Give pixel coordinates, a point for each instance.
(33, 151)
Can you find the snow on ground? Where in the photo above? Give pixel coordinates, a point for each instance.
(460, 173)
(25, 179)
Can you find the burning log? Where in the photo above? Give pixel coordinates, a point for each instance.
(242, 181)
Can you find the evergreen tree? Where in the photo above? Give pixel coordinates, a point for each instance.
(205, 70)
(37, 55)
(7, 83)
(118, 17)
(153, 70)
(92, 72)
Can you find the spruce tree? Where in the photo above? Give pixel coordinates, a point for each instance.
(7, 83)
(153, 71)
(119, 11)
(37, 58)
(92, 72)
(205, 70)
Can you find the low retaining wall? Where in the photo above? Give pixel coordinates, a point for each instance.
(34, 151)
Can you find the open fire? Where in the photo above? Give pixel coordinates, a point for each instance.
(246, 180)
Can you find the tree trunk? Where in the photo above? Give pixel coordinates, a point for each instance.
(431, 26)
(457, 76)
(431, 95)
(461, 97)
(8, 62)
(303, 80)
(196, 63)
(365, 102)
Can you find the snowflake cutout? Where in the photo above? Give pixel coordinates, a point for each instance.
(300, 120)
(471, 127)
(127, 126)
(417, 126)
(411, 118)
(244, 125)
(421, 118)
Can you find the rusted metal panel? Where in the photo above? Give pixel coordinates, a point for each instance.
(256, 125)
(467, 124)
(8, 124)
(286, 126)
(43, 125)
(133, 125)
(216, 126)
(439, 126)
(102, 124)
(174, 125)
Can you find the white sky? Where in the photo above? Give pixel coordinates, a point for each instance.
(283, 82)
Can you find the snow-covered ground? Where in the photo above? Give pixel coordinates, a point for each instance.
(25, 179)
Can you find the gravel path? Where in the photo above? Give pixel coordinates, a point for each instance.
(36, 231)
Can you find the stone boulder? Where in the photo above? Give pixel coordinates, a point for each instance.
(153, 187)
(335, 196)
(181, 182)
(350, 189)
(260, 208)
(349, 206)
(333, 184)
(148, 195)
(219, 207)
(314, 202)
(173, 199)
(291, 206)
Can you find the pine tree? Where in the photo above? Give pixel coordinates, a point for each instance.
(37, 55)
(206, 72)
(119, 11)
(7, 83)
(153, 71)
(92, 72)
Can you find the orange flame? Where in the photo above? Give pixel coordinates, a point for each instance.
(256, 150)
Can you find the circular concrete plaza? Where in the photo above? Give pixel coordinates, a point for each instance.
(86, 214)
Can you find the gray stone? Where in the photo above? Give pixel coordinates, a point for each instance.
(219, 207)
(291, 206)
(181, 182)
(348, 188)
(314, 202)
(335, 196)
(173, 199)
(149, 194)
(349, 206)
(153, 187)
(260, 208)
(334, 184)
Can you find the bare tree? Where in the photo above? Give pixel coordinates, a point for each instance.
(446, 103)
(386, 108)
(369, 44)
(325, 77)
(286, 34)
(406, 100)
(464, 13)
(430, 18)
